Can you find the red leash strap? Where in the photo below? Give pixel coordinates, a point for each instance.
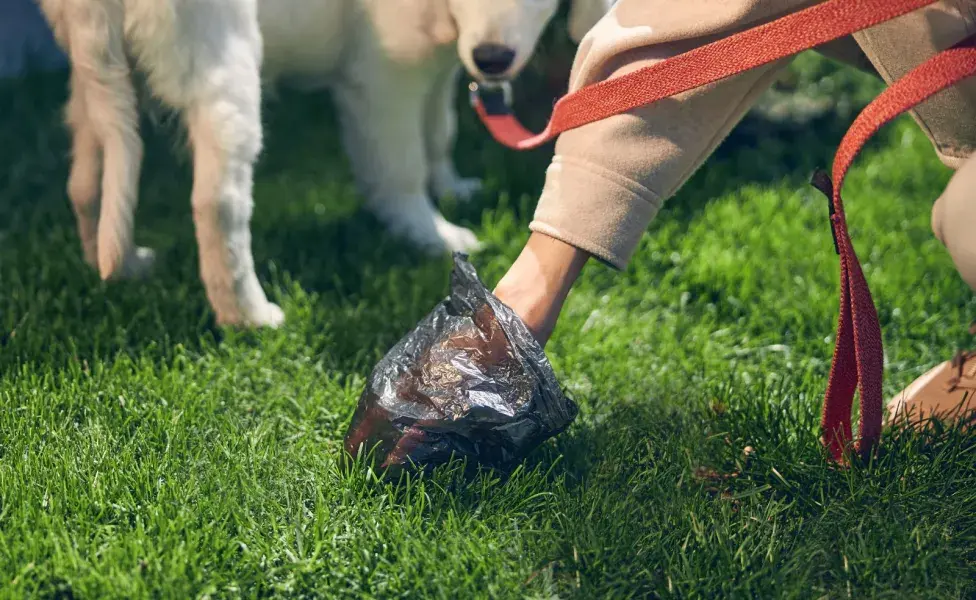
(858, 355)
(858, 358)
(749, 49)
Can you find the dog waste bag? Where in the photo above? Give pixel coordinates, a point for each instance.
(468, 381)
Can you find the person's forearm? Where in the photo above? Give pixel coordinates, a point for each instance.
(537, 284)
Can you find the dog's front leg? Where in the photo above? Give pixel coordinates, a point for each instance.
(381, 116)
(225, 130)
(440, 125)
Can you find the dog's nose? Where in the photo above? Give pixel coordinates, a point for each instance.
(492, 59)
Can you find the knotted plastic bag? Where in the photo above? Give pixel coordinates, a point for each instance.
(468, 381)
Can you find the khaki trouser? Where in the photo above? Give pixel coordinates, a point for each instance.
(608, 179)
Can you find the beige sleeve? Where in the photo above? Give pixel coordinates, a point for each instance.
(608, 179)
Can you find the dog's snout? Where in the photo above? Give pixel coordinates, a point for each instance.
(493, 59)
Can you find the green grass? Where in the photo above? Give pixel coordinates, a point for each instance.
(146, 453)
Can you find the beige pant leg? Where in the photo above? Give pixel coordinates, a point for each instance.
(948, 119)
(954, 220)
(896, 47)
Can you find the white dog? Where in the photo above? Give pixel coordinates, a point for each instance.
(201, 58)
(392, 64)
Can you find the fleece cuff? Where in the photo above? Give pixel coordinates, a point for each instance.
(594, 209)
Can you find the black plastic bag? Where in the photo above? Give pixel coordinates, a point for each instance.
(468, 381)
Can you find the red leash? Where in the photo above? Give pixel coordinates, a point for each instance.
(729, 56)
(858, 354)
(858, 331)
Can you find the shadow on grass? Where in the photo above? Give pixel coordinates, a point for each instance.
(632, 464)
(54, 308)
(308, 221)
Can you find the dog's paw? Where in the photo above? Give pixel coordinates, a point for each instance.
(268, 315)
(446, 183)
(441, 236)
(414, 218)
(455, 238)
(138, 264)
(264, 314)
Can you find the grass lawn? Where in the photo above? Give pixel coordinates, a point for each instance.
(146, 453)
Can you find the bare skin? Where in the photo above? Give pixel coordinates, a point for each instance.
(538, 282)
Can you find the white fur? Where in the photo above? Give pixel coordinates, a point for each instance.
(392, 66)
(203, 59)
(584, 14)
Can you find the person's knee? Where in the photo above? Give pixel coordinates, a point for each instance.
(954, 220)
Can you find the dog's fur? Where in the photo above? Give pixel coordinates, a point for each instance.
(201, 58)
(392, 65)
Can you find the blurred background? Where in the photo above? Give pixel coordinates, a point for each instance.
(26, 42)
